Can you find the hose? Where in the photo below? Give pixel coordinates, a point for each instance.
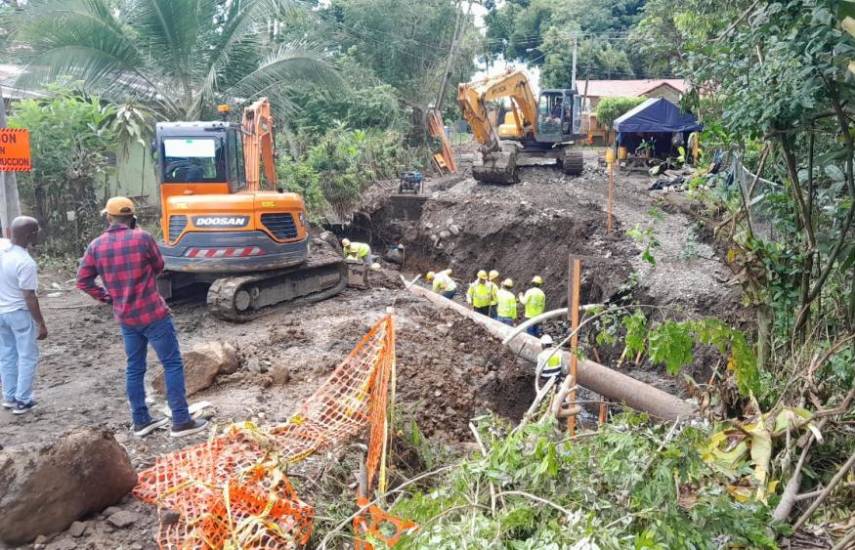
(543, 317)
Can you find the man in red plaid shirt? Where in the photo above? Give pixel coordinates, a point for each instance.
(128, 261)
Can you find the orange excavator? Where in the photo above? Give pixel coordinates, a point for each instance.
(252, 245)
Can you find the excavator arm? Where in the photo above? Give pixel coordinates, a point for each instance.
(473, 97)
(258, 144)
(498, 164)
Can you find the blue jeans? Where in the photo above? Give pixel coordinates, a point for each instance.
(506, 320)
(161, 335)
(19, 355)
(449, 294)
(535, 330)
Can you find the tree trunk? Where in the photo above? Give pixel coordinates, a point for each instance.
(765, 319)
(598, 378)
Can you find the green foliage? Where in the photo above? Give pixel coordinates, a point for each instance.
(405, 44)
(366, 102)
(71, 137)
(671, 344)
(610, 109)
(178, 57)
(332, 174)
(624, 486)
(542, 32)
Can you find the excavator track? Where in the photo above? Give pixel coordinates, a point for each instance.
(246, 297)
(573, 162)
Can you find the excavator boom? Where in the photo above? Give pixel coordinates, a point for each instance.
(258, 145)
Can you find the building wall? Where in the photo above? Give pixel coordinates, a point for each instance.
(665, 91)
(134, 176)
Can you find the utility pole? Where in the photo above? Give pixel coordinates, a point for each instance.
(10, 204)
(573, 77)
(455, 38)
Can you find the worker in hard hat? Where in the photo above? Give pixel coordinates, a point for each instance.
(442, 283)
(534, 301)
(480, 294)
(493, 277)
(550, 361)
(506, 308)
(356, 251)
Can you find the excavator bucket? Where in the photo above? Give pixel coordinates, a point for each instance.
(498, 167)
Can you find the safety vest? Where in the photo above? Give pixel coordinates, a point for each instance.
(506, 304)
(550, 366)
(360, 250)
(479, 294)
(443, 283)
(535, 302)
(494, 288)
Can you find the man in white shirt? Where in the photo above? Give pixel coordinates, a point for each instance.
(21, 322)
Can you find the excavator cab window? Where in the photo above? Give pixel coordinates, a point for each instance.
(193, 160)
(237, 174)
(550, 114)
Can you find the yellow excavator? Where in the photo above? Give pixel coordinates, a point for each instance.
(221, 227)
(539, 129)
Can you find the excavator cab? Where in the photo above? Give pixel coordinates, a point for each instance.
(558, 116)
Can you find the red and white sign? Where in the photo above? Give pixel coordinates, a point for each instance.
(238, 252)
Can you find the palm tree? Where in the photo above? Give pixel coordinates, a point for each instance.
(177, 57)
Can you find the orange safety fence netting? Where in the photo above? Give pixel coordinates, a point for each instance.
(232, 491)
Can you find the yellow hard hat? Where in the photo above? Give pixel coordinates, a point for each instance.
(429, 276)
(508, 283)
(537, 280)
(345, 242)
(482, 275)
(494, 274)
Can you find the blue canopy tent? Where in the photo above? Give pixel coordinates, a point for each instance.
(656, 119)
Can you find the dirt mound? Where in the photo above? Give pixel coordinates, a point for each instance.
(454, 371)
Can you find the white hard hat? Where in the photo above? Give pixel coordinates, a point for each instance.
(546, 340)
(345, 242)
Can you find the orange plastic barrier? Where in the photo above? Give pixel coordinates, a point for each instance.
(232, 492)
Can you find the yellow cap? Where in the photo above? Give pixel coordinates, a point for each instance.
(482, 275)
(494, 274)
(537, 279)
(119, 206)
(345, 242)
(429, 276)
(508, 283)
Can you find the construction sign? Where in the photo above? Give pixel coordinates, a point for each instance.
(15, 150)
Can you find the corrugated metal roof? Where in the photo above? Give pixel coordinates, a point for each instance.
(628, 88)
(8, 77)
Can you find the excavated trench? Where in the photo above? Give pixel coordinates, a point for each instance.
(520, 240)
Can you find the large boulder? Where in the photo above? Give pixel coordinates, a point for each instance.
(202, 364)
(45, 488)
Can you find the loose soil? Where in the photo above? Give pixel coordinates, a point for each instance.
(449, 369)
